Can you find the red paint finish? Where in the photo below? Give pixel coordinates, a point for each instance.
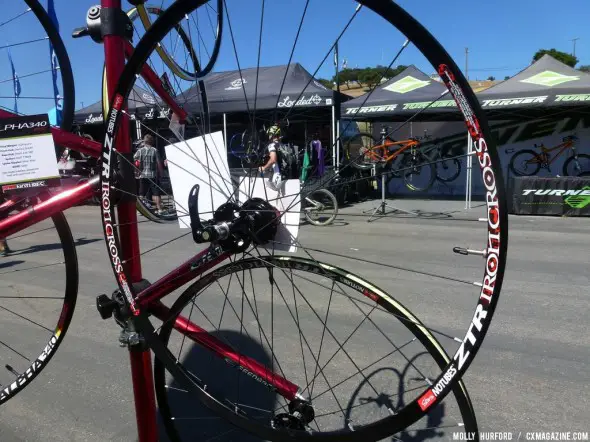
(47, 208)
(202, 337)
(143, 393)
(177, 278)
(114, 49)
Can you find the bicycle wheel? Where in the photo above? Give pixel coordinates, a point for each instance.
(448, 169)
(322, 207)
(356, 148)
(433, 267)
(418, 171)
(48, 68)
(525, 163)
(36, 307)
(199, 300)
(208, 44)
(576, 165)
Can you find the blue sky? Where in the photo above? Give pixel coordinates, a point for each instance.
(501, 35)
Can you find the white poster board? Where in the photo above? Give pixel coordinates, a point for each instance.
(203, 161)
(27, 153)
(287, 200)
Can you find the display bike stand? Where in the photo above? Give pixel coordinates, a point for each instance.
(380, 210)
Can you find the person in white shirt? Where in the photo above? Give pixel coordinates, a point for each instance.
(274, 134)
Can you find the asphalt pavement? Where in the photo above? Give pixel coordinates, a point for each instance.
(530, 375)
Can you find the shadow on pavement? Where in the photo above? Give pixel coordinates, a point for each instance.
(193, 420)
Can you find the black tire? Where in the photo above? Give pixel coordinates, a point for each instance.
(448, 170)
(353, 148)
(62, 321)
(68, 92)
(580, 161)
(525, 156)
(325, 196)
(397, 310)
(412, 167)
(497, 226)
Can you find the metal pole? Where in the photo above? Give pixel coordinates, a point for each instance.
(337, 145)
(333, 142)
(225, 132)
(574, 41)
(467, 63)
(468, 172)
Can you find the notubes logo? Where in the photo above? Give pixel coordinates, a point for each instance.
(576, 199)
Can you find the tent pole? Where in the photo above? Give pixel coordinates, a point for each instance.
(225, 131)
(333, 142)
(138, 129)
(337, 145)
(468, 172)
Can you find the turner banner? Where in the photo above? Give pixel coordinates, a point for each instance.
(511, 138)
(564, 196)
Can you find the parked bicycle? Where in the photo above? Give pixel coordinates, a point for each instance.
(325, 329)
(364, 151)
(528, 162)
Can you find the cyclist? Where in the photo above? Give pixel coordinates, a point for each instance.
(274, 135)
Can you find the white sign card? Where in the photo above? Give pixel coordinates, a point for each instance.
(287, 200)
(27, 153)
(203, 161)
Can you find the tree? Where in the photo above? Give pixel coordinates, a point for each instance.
(507, 77)
(564, 57)
(326, 83)
(585, 68)
(370, 77)
(347, 76)
(491, 78)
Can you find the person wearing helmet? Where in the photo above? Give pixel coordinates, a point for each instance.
(274, 136)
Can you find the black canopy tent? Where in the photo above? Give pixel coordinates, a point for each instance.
(239, 93)
(140, 104)
(259, 88)
(402, 97)
(545, 88)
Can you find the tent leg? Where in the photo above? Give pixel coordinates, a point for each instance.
(138, 129)
(225, 131)
(468, 172)
(334, 159)
(337, 145)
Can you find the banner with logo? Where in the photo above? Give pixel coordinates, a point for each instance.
(511, 138)
(27, 154)
(565, 196)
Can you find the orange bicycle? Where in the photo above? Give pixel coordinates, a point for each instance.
(528, 162)
(399, 159)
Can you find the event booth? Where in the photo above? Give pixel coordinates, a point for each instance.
(541, 105)
(235, 97)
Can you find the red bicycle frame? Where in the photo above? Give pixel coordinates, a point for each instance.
(117, 49)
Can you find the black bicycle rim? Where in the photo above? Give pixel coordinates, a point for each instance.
(63, 320)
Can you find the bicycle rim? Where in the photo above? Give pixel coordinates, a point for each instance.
(326, 213)
(494, 233)
(36, 312)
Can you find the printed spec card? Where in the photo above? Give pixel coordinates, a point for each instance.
(27, 153)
